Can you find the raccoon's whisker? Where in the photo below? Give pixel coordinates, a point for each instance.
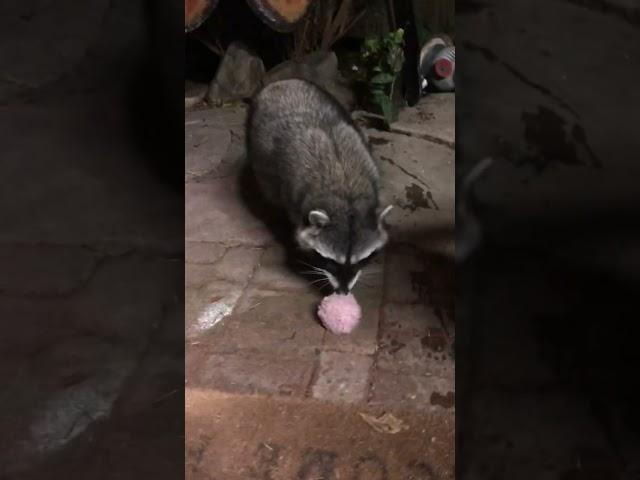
(309, 265)
(318, 274)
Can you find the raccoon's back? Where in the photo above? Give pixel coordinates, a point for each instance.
(301, 142)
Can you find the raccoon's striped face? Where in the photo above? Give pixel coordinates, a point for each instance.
(339, 251)
(341, 276)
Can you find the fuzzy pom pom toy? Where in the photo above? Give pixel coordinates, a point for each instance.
(339, 313)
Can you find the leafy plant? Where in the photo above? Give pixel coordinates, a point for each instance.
(383, 57)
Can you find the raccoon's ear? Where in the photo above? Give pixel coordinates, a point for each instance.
(318, 218)
(383, 213)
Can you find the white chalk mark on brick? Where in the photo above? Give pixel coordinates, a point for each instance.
(216, 311)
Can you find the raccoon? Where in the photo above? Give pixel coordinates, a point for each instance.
(312, 161)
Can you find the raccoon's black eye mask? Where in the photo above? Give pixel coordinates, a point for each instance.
(332, 266)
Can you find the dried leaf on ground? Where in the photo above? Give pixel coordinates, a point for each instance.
(385, 423)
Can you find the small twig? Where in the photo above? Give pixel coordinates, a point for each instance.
(254, 305)
(355, 20)
(392, 14)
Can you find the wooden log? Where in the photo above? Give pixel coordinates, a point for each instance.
(196, 12)
(280, 15)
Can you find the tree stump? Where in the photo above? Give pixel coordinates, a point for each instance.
(196, 12)
(281, 15)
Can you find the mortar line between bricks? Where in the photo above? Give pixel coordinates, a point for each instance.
(315, 372)
(209, 264)
(374, 364)
(425, 136)
(405, 171)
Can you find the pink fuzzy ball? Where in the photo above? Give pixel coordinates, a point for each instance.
(339, 313)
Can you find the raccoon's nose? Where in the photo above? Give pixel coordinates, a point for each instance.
(343, 290)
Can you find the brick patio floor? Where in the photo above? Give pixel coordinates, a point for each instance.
(250, 317)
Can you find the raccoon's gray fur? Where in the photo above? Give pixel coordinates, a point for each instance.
(311, 160)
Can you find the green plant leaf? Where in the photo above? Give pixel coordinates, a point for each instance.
(372, 44)
(395, 59)
(382, 78)
(386, 105)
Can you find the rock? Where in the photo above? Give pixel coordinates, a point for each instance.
(238, 77)
(194, 93)
(320, 68)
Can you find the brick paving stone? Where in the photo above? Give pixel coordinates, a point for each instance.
(204, 150)
(401, 261)
(238, 264)
(397, 390)
(408, 355)
(197, 275)
(203, 252)
(215, 212)
(342, 377)
(270, 322)
(364, 339)
(274, 273)
(235, 266)
(411, 318)
(412, 341)
(250, 373)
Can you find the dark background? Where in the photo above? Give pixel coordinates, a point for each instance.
(547, 349)
(91, 240)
